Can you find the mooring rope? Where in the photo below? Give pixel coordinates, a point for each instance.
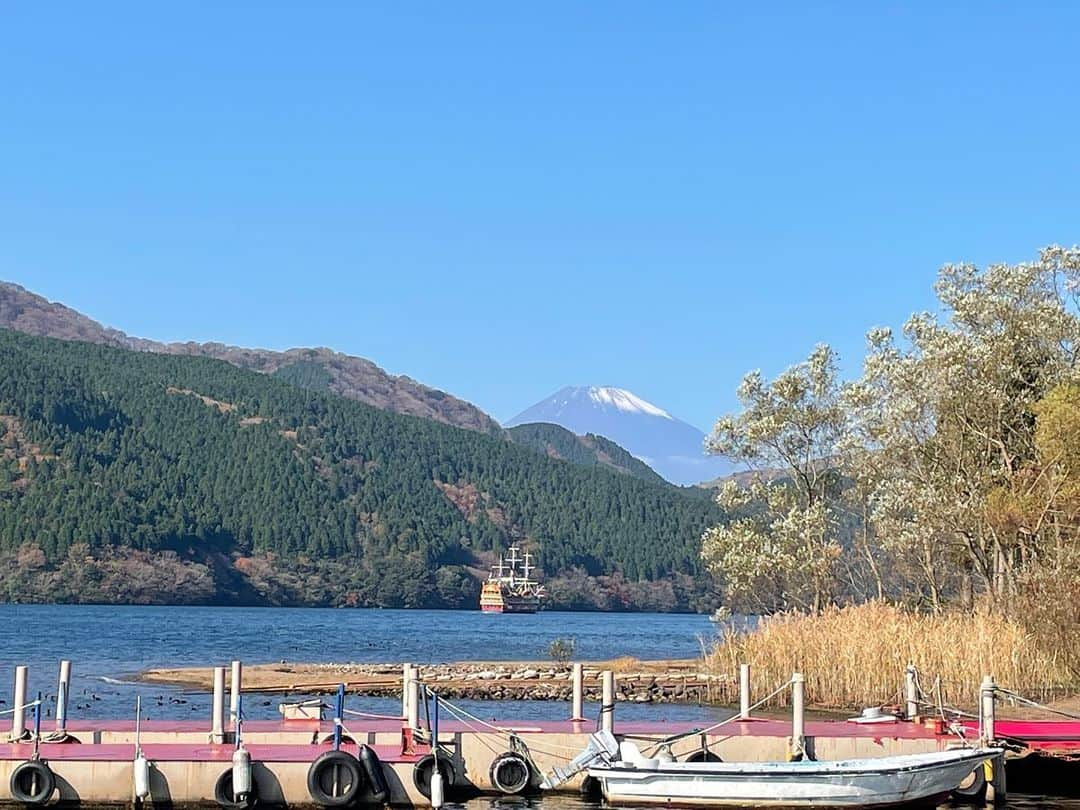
(345, 731)
(465, 717)
(374, 716)
(471, 721)
(1034, 704)
(24, 707)
(725, 721)
(938, 703)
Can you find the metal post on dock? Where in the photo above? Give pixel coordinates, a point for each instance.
(577, 680)
(18, 717)
(217, 716)
(996, 788)
(607, 703)
(744, 691)
(412, 696)
(987, 732)
(911, 693)
(406, 676)
(235, 683)
(798, 716)
(62, 691)
(339, 715)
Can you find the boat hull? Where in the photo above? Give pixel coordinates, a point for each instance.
(914, 779)
(511, 606)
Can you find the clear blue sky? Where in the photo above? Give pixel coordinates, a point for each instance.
(500, 199)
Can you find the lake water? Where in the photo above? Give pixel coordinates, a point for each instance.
(108, 646)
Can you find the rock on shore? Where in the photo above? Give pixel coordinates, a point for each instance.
(666, 681)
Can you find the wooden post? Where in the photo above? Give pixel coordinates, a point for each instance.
(63, 690)
(987, 732)
(412, 692)
(607, 703)
(217, 716)
(911, 694)
(744, 691)
(18, 717)
(996, 788)
(406, 676)
(235, 684)
(798, 716)
(577, 708)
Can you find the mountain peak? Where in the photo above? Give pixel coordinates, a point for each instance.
(625, 401)
(670, 446)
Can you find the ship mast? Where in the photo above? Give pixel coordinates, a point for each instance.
(513, 563)
(526, 567)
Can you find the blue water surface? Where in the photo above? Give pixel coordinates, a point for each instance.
(110, 645)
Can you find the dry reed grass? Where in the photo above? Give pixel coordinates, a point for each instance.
(856, 656)
(626, 663)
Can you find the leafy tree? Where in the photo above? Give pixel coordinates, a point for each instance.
(947, 423)
(782, 549)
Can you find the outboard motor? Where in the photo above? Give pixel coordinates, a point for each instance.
(602, 747)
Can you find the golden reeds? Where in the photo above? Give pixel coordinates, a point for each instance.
(856, 656)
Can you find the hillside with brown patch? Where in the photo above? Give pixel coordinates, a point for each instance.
(352, 377)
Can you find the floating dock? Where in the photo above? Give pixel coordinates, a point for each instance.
(192, 762)
(95, 766)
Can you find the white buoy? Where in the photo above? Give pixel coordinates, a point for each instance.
(436, 789)
(241, 772)
(141, 768)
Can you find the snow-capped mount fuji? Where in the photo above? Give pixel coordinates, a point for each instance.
(670, 446)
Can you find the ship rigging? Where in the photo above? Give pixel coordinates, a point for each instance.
(507, 590)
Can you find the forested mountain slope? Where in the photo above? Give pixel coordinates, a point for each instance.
(134, 476)
(352, 377)
(589, 450)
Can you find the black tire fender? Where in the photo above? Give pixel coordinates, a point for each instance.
(369, 760)
(223, 793)
(32, 782)
(425, 767)
(510, 773)
(335, 779)
(590, 789)
(973, 786)
(702, 755)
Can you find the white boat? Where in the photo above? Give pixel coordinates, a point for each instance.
(911, 778)
(843, 783)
